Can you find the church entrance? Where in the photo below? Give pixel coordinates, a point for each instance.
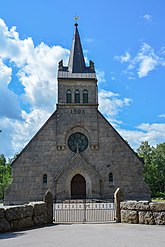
(81, 209)
(78, 187)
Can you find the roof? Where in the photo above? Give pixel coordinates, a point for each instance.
(76, 62)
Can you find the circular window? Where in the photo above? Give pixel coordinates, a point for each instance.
(77, 142)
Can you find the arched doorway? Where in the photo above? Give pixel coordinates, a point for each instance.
(78, 187)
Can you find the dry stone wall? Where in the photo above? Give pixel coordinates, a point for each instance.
(15, 218)
(143, 212)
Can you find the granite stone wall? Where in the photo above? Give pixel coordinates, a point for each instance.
(22, 217)
(143, 212)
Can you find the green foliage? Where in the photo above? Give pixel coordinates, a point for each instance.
(5, 175)
(160, 195)
(154, 167)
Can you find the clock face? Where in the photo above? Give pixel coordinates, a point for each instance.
(77, 142)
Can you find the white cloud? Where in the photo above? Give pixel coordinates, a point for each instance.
(147, 59)
(37, 65)
(148, 18)
(9, 105)
(124, 58)
(162, 115)
(100, 76)
(110, 104)
(134, 137)
(39, 75)
(152, 127)
(162, 51)
(16, 134)
(24, 131)
(36, 68)
(5, 74)
(147, 64)
(144, 62)
(153, 133)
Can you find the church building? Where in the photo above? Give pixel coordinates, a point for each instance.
(77, 153)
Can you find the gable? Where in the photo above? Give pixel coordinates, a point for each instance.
(46, 133)
(110, 136)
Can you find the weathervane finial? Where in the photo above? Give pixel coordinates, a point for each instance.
(76, 18)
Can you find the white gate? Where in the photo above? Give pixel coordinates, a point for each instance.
(84, 212)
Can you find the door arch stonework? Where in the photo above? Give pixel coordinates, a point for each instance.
(77, 165)
(87, 180)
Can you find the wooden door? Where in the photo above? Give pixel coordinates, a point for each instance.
(78, 187)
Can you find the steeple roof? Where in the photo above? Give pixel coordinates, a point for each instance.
(76, 60)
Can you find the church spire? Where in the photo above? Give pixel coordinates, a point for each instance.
(76, 60)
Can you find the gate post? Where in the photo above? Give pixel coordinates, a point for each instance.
(117, 199)
(48, 199)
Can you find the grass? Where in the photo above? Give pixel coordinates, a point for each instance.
(158, 200)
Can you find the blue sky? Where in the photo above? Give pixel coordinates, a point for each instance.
(124, 38)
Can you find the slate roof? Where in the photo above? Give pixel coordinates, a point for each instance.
(76, 60)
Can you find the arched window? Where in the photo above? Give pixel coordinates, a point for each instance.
(85, 96)
(110, 177)
(77, 96)
(45, 179)
(69, 96)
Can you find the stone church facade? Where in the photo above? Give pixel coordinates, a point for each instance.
(77, 153)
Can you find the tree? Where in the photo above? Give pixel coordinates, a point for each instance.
(159, 161)
(5, 175)
(2, 160)
(154, 167)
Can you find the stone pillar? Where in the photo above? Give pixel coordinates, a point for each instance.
(48, 199)
(117, 199)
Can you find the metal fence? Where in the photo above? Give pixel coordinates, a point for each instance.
(84, 212)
